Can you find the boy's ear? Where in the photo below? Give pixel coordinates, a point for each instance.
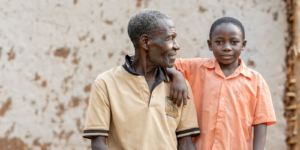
(244, 44)
(209, 44)
(144, 41)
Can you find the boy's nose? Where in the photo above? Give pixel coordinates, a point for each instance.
(227, 47)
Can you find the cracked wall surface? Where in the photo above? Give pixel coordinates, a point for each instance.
(52, 50)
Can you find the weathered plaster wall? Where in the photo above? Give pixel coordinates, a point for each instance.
(52, 50)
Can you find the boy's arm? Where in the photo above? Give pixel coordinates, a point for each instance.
(260, 132)
(186, 143)
(179, 90)
(98, 143)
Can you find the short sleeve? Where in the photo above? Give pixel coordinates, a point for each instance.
(98, 114)
(264, 110)
(188, 125)
(182, 65)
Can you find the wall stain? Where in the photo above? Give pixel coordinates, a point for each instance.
(275, 16)
(78, 124)
(0, 52)
(9, 131)
(110, 54)
(76, 61)
(5, 107)
(16, 143)
(109, 22)
(84, 37)
(123, 53)
(11, 54)
(87, 100)
(92, 40)
(74, 102)
(44, 83)
(74, 2)
(36, 77)
(87, 88)
(138, 3)
(250, 63)
(104, 37)
(62, 52)
(202, 9)
(61, 109)
(44, 146)
(223, 12)
(90, 67)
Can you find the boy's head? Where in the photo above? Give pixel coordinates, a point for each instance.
(227, 40)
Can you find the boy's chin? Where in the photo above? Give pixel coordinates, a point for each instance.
(226, 62)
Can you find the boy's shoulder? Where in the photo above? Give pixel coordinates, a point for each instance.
(253, 75)
(196, 61)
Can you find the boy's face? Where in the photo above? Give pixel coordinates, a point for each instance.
(227, 43)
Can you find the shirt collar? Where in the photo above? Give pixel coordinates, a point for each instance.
(242, 69)
(161, 72)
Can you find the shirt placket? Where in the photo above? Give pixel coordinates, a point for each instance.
(220, 116)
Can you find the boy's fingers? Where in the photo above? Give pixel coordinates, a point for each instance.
(184, 99)
(171, 94)
(179, 99)
(174, 98)
(187, 90)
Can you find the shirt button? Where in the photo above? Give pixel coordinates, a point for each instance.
(225, 80)
(143, 86)
(216, 141)
(219, 119)
(222, 99)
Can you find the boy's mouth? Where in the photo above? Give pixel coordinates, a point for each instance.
(226, 56)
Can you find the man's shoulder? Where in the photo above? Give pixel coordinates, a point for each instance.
(109, 75)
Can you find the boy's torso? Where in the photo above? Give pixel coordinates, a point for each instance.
(225, 106)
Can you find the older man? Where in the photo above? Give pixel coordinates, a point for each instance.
(130, 104)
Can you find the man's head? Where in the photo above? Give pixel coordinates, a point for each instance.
(154, 33)
(226, 40)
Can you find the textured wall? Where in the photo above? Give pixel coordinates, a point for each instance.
(52, 50)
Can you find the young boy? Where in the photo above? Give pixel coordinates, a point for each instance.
(229, 97)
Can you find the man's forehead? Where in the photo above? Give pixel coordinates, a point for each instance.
(165, 24)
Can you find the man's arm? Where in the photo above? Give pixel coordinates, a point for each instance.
(179, 88)
(186, 143)
(260, 132)
(99, 143)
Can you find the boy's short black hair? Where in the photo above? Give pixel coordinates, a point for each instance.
(226, 20)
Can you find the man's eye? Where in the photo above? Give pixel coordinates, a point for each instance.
(219, 42)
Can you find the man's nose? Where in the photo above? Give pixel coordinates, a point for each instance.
(227, 47)
(176, 45)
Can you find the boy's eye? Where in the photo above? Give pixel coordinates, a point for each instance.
(219, 42)
(234, 42)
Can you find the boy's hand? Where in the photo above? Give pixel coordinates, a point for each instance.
(179, 89)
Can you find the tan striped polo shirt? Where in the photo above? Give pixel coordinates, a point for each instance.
(122, 108)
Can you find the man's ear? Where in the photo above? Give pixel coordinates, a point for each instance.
(209, 44)
(144, 40)
(244, 44)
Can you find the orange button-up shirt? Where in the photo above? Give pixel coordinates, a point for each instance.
(227, 108)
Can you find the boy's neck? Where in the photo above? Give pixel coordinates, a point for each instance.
(228, 69)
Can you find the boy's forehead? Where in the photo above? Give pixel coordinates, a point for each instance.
(226, 28)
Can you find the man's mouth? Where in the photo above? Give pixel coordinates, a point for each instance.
(173, 56)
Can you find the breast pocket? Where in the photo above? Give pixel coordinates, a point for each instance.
(243, 106)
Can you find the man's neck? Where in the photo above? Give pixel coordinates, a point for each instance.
(144, 67)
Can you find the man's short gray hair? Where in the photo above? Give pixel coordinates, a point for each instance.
(143, 22)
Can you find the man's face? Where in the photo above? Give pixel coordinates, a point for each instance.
(163, 45)
(226, 43)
